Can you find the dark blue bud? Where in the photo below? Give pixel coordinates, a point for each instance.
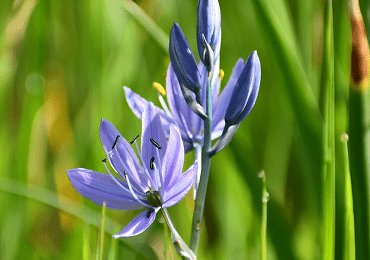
(209, 24)
(245, 91)
(183, 61)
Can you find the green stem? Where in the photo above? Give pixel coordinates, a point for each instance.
(265, 198)
(182, 248)
(206, 165)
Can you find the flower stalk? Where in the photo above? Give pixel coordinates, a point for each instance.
(182, 248)
(206, 165)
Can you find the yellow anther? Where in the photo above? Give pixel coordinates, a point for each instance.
(159, 88)
(221, 74)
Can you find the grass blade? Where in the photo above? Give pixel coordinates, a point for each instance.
(148, 24)
(86, 242)
(100, 250)
(85, 213)
(349, 235)
(328, 170)
(358, 130)
(304, 104)
(265, 198)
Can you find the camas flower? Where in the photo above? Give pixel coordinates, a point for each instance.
(157, 182)
(191, 125)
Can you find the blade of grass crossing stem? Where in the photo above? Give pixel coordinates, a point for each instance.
(359, 130)
(265, 199)
(100, 250)
(328, 167)
(86, 242)
(148, 24)
(349, 235)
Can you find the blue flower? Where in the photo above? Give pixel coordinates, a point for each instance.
(157, 182)
(191, 125)
(182, 59)
(209, 25)
(245, 93)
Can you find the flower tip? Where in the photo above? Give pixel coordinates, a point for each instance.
(254, 57)
(70, 172)
(176, 25)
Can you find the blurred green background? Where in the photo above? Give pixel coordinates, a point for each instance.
(63, 64)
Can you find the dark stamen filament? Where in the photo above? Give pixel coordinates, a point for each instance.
(104, 160)
(155, 143)
(115, 142)
(151, 163)
(133, 140)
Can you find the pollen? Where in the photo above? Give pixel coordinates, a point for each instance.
(221, 74)
(159, 88)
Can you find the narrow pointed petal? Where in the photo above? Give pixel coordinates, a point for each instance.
(173, 161)
(182, 113)
(181, 187)
(99, 187)
(152, 128)
(125, 159)
(217, 130)
(216, 81)
(245, 92)
(182, 60)
(138, 105)
(209, 25)
(135, 102)
(138, 225)
(223, 100)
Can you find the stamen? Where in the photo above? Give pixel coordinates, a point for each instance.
(133, 140)
(151, 163)
(221, 74)
(165, 107)
(158, 179)
(160, 171)
(155, 143)
(150, 180)
(132, 191)
(115, 142)
(113, 178)
(104, 160)
(159, 88)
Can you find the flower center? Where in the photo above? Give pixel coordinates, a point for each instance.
(153, 198)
